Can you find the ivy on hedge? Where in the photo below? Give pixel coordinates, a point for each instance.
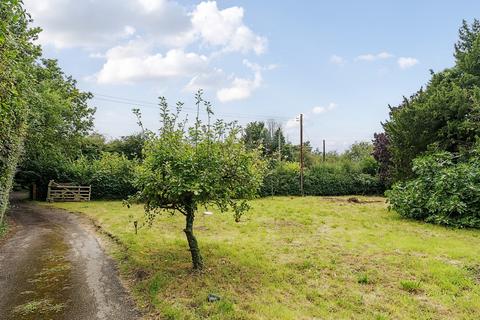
(17, 57)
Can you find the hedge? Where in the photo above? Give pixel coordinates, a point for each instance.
(329, 179)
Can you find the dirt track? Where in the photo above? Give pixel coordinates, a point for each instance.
(53, 267)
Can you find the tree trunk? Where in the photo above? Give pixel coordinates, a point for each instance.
(197, 259)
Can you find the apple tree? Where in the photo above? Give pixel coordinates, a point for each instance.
(198, 165)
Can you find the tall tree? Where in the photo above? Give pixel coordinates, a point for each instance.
(269, 137)
(17, 58)
(256, 135)
(60, 119)
(445, 115)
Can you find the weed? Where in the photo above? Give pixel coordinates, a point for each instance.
(3, 229)
(38, 307)
(363, 279)
(410, 285)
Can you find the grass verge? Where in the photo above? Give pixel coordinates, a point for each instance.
(4, 229)
(297, 258)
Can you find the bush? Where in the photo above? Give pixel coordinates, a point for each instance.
(111, 176)
(283, 179)
(324, 179)
(444, 192)
(44, 167)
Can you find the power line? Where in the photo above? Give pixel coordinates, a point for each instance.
(147, 104)
(126, 99)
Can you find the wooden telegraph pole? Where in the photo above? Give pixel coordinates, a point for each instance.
(279, 143)
(323, 150)
(301, 154)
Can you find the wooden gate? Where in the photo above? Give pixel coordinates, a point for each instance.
(67, 192)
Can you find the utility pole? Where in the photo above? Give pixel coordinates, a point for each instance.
(323, 150)
(301, 154)
(279, 143)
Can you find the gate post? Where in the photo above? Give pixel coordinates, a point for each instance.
(49, 197)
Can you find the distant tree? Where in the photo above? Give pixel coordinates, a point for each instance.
(309, 156)
(445, 115)
(256, 135)
(382, 156)
(130, 146)
(359, 151)
(269, 138)
(280, 147)
(188, 167)
(93, 145)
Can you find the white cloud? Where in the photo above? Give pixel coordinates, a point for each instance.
(128, 31)
(151, 5)
(142, 40)
(226, 28)
(241, 88)
(307, 116)
(207, 80)
(384, 55)
(134, 62)
(292, 123)
(337, 60)
(229, 88)
(320, 109)
(374, 57)
(97, 24)
(102, 23)
(407, 62)
(96, 55)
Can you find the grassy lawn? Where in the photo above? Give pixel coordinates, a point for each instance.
(298, 258)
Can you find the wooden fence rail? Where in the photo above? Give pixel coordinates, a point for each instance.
(67, 192)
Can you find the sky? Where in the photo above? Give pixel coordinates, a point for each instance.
(340, 63)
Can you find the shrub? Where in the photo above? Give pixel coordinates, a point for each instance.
(444, 192)
(111, 176)
(44, 167)
(283, 179)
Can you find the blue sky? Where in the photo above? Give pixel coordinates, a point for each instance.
(338, 62)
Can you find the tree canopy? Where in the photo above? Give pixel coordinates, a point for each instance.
(269, 137)
(59, 121)
(43, 115)
(445, 115)
(18, 54)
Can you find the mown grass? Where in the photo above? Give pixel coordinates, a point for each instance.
(298, 258)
